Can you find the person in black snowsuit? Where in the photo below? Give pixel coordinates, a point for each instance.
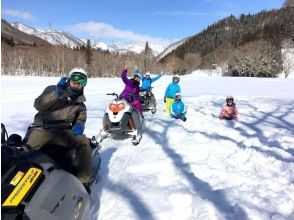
(61, 120)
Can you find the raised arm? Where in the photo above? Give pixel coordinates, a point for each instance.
(124, 77)
(155, 78)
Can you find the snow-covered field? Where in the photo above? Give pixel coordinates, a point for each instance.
(204, 168)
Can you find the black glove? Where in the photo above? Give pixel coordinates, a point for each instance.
(130, 97)
(164, 99)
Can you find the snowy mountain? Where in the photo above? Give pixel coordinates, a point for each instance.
(204, 168)
(63, 38)
(134, 47)
(138, 48)
(8, 32)
(51, 36)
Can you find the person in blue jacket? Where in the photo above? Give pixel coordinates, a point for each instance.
(146, 86)
(170, 93)
(178, 109)
(147, 81)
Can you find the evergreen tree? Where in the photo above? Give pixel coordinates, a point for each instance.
(88, 54)
(11, 42)
(147, 57)
(88, 57)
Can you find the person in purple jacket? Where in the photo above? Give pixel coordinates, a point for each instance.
(132, 88)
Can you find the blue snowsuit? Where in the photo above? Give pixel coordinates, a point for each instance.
(171, 90)
(146, 82)
(178, 110)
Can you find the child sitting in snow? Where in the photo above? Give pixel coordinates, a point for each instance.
(229, 110)
(178, 109)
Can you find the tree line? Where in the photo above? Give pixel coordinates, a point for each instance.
(20, 59)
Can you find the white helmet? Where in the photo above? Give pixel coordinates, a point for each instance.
(147, 74)
(78, 70)
(230, 97)
(79, 75)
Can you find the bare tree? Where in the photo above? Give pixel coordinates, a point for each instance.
(192, 61)
(288, 3)
(174, 65)
(257, 59)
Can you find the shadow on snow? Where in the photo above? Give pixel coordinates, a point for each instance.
(201, 188)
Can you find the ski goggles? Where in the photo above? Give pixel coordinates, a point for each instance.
(79, 78)
(178, 98)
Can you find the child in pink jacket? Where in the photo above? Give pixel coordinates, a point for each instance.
(229, 110)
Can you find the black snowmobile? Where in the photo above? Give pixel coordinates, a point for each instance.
(41, 184)
(146, 100)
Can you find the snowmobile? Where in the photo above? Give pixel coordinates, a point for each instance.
(40, 184)
(146, 100)
(121, 118)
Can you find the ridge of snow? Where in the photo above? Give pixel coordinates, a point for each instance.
(52, 36)
(56, 37)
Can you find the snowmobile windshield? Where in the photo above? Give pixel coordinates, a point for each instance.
(79, 78)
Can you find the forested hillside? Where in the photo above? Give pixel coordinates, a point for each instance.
(236, 42)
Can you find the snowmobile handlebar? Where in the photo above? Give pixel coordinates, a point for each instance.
(113, 94)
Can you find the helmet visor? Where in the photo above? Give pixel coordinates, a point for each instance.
(79, 78)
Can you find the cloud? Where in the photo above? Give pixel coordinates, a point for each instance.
(18, 14)
(107, 31)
